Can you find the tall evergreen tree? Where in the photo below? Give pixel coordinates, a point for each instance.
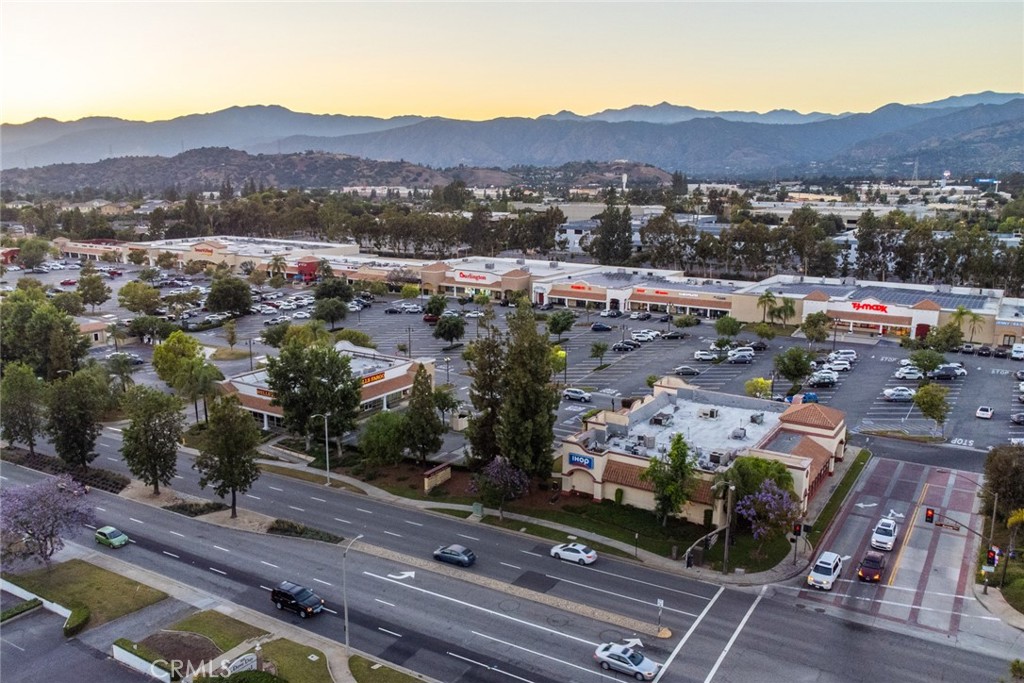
(423, 425)
(150, 445)
(526, 417)
(74, 412)
(486, 358)
(227, 456)
(23, 396)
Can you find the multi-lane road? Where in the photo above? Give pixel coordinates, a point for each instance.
(518, 614)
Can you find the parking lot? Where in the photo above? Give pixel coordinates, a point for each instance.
(990, 381)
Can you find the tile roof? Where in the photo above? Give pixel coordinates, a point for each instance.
(813, 415)
(628, 475)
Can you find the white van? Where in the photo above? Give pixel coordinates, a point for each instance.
(1017, 352)
(843, 354)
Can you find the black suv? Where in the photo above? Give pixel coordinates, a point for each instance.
(296, 598)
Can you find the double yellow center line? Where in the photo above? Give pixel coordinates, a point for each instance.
(911, 523)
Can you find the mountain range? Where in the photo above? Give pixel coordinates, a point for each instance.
(969, 134)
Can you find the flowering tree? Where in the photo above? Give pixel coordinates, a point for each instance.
(499, 482)
(38, 515)
(770, 510)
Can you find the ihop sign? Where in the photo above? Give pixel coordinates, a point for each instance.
(580, 460)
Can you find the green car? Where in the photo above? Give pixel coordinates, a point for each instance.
(110, 536)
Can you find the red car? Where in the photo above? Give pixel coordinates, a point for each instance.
(68, 283)
(430, 319)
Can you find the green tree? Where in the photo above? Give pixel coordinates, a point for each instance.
(381, 441)
(926, 359)
(974, 320)
(227, 454)
(333, 288)
(499, 482)
(138, 297)
(197, 378)
(23, 396)
(598, 351)
(766, 302)
(728, 326)
(794, 364)
(357, 337)
(69, 302)
(944, 337)
(560, 322)
(425, 428)
(323, 269)
(309, 380)
(137, 257)
(436, 304)
(816, 327)
(116, 332)
(278, 266)
(931, 401)
(613, 238)
(528, 400)
(122, 368)
(785, 310)
(1004, 475)
(486, 360)
(275, 334)
(450, 328)
(671, 476)
(231, 333)
(409, 291)
(330, 310)
(74, 411)
(764, 331)
(758, 387)
(150, 441)
(229, 294)
(33, 252)
(169, 357)
(749, 472)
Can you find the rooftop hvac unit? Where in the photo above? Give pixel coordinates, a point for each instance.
(649, 441)
(704, 464)
(520, 261)
(552, 264)
(757, 418)
(708, 413)
(738, 433)
(719, 458)
(489, 266)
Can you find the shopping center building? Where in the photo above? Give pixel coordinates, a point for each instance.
(868, 307)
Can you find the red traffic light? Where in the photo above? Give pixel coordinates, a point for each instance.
(991, 557)
(929, 515)
(797, 528)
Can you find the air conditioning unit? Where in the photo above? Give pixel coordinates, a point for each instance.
(738, 433)
(489, 266)
(552, 264)
(719, 458)
(649, 441)
(757, 418)
(708, 413)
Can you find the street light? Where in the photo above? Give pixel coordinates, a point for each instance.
(327, 448)
(728, 522)
(344, 588)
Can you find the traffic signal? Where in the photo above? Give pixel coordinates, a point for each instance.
(797, 528)
(991, 559)
(929, 515)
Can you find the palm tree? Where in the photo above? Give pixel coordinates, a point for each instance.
(121, 368)
(278, 265)
(765, 302)
(197, 379)
(974, 320)
(117, 333)
(784, 310)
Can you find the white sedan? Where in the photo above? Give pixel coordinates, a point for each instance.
(899, 394)
(574, 552)
(909, 372)
(984, 412)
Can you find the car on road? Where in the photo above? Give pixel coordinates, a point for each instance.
(759, 345)
(296, 598)
(744, 358)
(843, 354)
(279, 320)
(667, 318)
(684, 370)
(819, 381)
(644, 315)
(449, 313)
(600, 327)
(474, 314)
(391, 310)
(574, 394)
(133, 358)
(985, 350)
(957, 369)
(455, 554)
(826, 571)
(1017, 418)
(68, 283)
(871, 567)
(700, 354)
(574, 552)
(621, 347)
(615, 657)
(430, 318)
(111, 537)
(838, 365)
(614, 313)
(641, 337)
(899, 394)
(632, 344)
(301, 315)
(967, 349)
(909, 372)
(1001, 352)
(884, 535)
(984, 412)
(411, 308)
(675, 334)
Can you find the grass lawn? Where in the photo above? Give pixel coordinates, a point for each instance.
(224, 631)
(743, 553)
(462, 514)
(549, 533)
(293, 663)
(308, 475)
(229, 354)
(75, 582)
(622, 523)
(1013, 586)
(366, 671)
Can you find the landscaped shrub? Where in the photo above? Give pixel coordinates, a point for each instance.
(77, 621)
(93, 477)
(619, 495)
(196, 509)
(20, 609)
(285, 527)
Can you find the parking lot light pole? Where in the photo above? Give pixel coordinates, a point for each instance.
(327, 447)
(344, 588)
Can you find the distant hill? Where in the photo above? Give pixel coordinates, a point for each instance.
(980, 132)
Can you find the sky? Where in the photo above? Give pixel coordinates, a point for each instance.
(478, 60)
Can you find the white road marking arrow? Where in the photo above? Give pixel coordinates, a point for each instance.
(893, 514)
(865, 505)
(403, 575)
(633, 642)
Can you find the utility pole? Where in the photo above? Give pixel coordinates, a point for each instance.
(728, 527)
